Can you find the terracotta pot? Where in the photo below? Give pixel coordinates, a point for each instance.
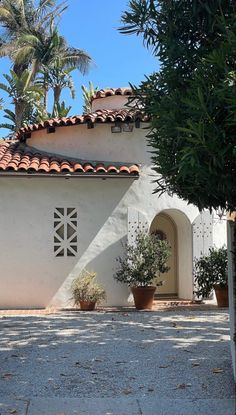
(143, 297)
(87, 305)
(222, 296)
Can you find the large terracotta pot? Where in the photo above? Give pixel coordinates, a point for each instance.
(143, 297)
(87, 305)
(222, 296)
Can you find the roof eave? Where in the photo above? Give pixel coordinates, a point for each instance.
(21, 135)
(70, 176)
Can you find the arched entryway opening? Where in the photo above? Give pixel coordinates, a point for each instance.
(165, 228)
(174, 226)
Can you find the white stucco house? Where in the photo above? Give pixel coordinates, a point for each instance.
(72, 190)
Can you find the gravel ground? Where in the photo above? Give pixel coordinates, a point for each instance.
(177, 354)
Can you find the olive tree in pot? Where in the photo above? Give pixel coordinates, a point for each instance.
(141, 267)
(210, 272)
(86, 292)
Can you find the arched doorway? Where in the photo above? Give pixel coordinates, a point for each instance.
(165, 228)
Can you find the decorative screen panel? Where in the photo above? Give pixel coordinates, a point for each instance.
(65, 232)
(137, 221)
(202, 234)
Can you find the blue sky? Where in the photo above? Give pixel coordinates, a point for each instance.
(118, 59)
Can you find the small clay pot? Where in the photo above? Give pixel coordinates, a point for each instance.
(87, 305)
(222, 296)
(143, 297)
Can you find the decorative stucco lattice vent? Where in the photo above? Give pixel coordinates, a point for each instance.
(202, 234)
(65, 232)
(136, 222)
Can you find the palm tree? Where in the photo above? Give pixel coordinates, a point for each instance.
(32, 41)
(18, 17)
(25, 98)
(48, 50)
(88, 93)
(60, 110)
(59, 78)
(50, 54)
(10, 116)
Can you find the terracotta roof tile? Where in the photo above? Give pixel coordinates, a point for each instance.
(18, 157)
(99, 116)
(108, 92)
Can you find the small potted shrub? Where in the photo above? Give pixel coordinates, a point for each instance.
(210, 272)
(86, 292)
(141, 267)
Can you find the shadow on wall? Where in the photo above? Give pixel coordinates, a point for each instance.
(105, 265)
(100, 242)
(34, 275)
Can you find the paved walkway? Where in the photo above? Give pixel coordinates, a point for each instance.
(109, 363)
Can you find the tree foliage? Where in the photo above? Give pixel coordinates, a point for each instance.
(210, 270)
(86, 288)
(88, 93)
(31, 39)
(192, 99)
(26, 100)
(144, 261)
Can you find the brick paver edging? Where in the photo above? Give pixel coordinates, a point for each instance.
(159, 305)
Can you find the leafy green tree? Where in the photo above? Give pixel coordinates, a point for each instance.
(60, 110)
(88, 93)
(144, 261)
(25, 98)
(192, 99)
(210, 270)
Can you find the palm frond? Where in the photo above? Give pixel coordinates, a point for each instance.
(6, 49)
(4, 87)
(10, 114)
(10, 127)
(28, 39)
(77, 58)
(5, 15)
(23, 54)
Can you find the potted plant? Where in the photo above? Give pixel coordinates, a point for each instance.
(210, 272)
(141, 267)
(86, 292)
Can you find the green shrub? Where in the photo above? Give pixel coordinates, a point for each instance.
(210, 270)
(144, 261)
(86, 288)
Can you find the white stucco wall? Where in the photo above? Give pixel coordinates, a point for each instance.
(219, 231)
(109, 103)
(30, 273)
(97, 143)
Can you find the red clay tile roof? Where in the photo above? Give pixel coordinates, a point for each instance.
(99, 116)
(19, 158)
(108, 92)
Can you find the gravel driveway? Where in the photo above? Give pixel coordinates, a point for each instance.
(165, 354)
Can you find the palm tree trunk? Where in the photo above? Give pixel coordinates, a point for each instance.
(19, 114)
(33, 72)
(56, 94)
(45, 95)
